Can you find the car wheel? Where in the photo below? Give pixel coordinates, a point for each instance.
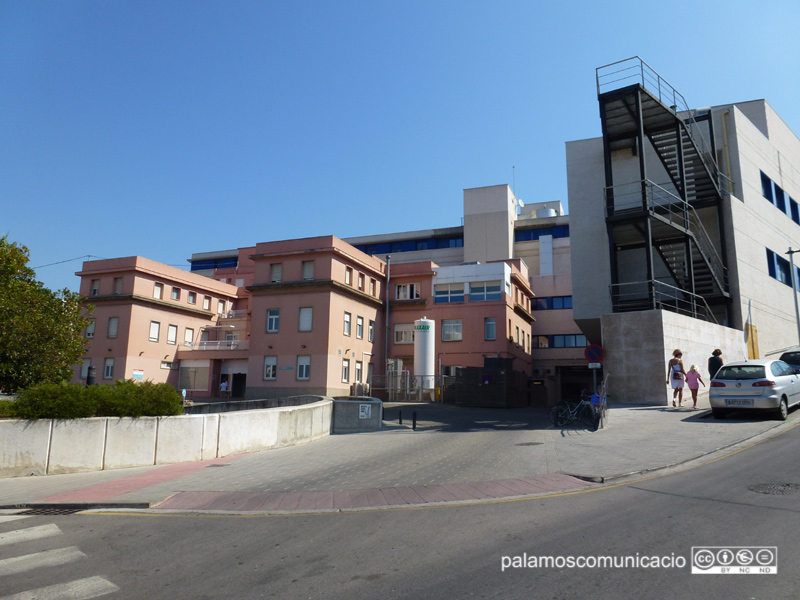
(718, 413)
(783, 409)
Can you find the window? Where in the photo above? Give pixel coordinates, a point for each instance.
(172, 366)
(308, 270)
(347, 318)
(361, 281)
(489, 329)
(270, 368)
(275, 272)
(158, 291)
(568, 341)
(359, 371)
(360, 328)
(206, 303)
(485, 290)
(239, 282)
(95, 287)
(451, 330)
(407, 291)
(188, 337)
(273, 320)
(346, 370)
(795, 211)
(552, 303)
(404, 333)
(448, 292)
(766, 187)
(172, 334)
(155, 328)
(221, 307)
(113, 326)
(303, 368)
(176, 293)
(306, 319)
(348, 276)
(371, 287)
(117, 285)
(541, 341)
(779, 268)
(108, 369)
(87, 362)
(516, 339)
(90, 329)
(371, 331)
(192, 299)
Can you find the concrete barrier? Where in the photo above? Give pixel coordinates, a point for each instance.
(180, 439)
(353, 415)
(49, 447)
(77, 445)
(24, 447)
(130, 442)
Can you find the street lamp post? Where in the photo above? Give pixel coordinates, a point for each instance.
(794, 291)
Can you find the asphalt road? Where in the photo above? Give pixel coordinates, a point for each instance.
(449, 552)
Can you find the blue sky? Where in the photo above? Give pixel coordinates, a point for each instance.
(167, 128)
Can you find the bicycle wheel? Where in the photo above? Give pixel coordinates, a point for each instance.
(559, 416)
(554, 413)
(589, 417)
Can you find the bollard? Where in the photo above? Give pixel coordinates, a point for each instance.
(383, 413)
(414, 420)
(400, 417)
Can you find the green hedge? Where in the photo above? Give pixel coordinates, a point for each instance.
(123, 399)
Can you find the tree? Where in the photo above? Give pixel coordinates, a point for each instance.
(41, 331)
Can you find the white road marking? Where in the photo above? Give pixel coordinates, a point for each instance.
(48, 558)
(4, 518)
(31, 533)
(80, 589)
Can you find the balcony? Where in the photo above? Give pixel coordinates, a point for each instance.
(234, 314)
(218, 345)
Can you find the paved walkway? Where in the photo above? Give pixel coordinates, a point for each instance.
(455, 455)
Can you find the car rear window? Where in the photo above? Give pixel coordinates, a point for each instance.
(741, 372)
(791, 357)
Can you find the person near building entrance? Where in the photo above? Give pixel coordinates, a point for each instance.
(675, 376)
(692, 379)
(714, 363)
(223, 389)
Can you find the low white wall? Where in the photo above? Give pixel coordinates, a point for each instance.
(50, 446)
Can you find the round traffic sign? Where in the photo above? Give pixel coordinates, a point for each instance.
(593, 353)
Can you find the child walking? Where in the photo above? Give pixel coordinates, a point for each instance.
(692, 378)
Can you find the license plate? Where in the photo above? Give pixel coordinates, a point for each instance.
(741, 403)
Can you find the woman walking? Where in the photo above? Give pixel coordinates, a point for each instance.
(675, 376)
(692, 379)
(714, 363)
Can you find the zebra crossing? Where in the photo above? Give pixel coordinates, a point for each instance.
(10, 564)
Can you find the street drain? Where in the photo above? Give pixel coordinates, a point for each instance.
(529, 444)
(775, 489)
(51, 511)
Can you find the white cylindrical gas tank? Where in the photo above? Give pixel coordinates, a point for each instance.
(425, 352)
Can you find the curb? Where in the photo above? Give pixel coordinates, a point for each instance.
(76, 505)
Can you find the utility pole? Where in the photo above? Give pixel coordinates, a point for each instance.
(794, 292)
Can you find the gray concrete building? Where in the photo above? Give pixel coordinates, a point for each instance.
(685, 216)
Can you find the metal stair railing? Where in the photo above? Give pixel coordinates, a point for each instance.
(634, 70)
(663, 203)
(654, 294)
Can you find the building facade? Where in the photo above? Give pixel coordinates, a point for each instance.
(687, 215)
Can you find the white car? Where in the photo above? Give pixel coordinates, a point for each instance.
(770, 385)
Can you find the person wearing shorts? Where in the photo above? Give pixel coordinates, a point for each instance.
(692, 379)
(675, 376)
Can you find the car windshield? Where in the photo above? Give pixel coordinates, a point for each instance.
(741, 372)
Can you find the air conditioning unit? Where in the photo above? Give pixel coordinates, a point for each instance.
(537, 371)
(548, 371)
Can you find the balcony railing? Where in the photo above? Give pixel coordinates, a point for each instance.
(218, 345)
(234, 314)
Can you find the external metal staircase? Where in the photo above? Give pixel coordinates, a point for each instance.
(660, 221)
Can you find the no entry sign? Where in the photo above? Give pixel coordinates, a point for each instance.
(593, 353)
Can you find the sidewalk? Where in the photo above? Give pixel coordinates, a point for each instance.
(455, 455)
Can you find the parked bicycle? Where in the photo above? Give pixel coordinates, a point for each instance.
(568, 412)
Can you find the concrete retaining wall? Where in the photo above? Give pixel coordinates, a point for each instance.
(354, 415)
(50, 446)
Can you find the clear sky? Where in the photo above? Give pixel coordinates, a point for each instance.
(172, 127)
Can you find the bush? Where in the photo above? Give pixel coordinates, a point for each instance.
(54, 401)
(6, 408)
(123, 399)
